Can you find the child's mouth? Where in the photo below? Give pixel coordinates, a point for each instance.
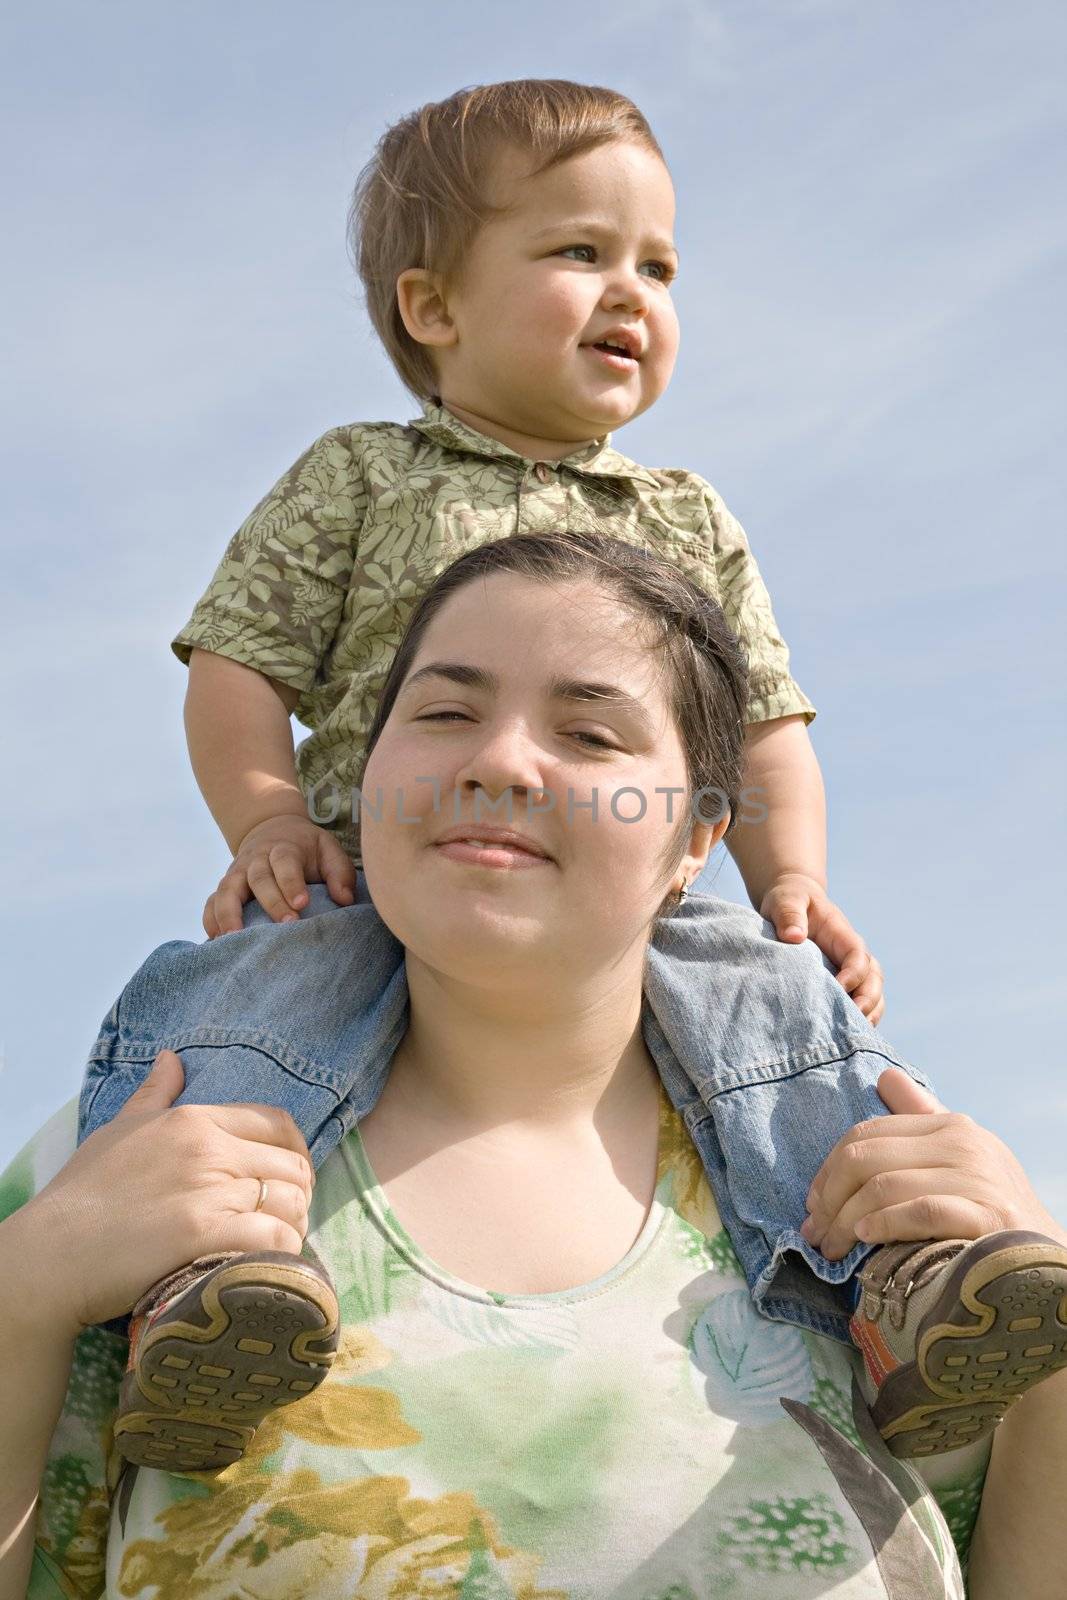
(614, 357)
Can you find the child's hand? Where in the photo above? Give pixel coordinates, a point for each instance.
(275, 862)
(801, 909)
(923, 1172)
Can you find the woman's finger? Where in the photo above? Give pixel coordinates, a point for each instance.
(161, 1088)
(286, 1201)
(250, 1232)
(273, 1164)
(886, 1190)
(931, 1216)
(865, 1159)
(832, 1184)
(903, 1096)
(256, 1124)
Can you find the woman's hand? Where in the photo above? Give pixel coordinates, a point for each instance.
(275, 862)
(922, 1173)
(801, 909)
(159, 1186)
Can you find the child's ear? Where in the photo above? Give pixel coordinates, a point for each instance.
(423, 308)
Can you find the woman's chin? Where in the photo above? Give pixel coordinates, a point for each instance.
(476, 934)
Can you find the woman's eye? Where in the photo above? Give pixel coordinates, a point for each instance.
(595, 740)
(442, 716)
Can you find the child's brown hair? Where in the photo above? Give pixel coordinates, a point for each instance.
(422, 197)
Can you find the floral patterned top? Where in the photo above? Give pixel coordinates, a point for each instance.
(646, 1436)
(316, 586)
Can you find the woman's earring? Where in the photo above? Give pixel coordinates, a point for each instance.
(683, 891)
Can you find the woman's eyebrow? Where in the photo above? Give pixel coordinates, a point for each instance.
(577, 689)
(604, 694)
(455, 672)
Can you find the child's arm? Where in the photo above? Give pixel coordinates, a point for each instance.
(241, 747)
(782, 857)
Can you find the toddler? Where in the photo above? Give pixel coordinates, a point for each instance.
(515, 243)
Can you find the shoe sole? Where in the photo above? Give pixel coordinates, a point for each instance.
(998, 1327)
(248, 1339)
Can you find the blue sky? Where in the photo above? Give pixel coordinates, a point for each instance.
(871, 373)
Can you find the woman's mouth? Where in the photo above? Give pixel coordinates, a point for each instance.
(488, 853)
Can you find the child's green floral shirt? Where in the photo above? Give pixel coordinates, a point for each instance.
(317, 584)
(645, 1436)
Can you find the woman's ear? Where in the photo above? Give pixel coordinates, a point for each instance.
(423, 308)
(702, 841)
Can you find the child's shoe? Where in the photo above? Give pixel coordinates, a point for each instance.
(953, 1332)
(214, 1347)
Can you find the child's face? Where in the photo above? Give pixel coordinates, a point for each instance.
(587, 248)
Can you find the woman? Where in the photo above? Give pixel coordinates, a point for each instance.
(611, 1416)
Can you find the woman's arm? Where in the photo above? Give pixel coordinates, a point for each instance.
(927, 1173)
(1019, 1547)
(37, 1334)
(155, 1188)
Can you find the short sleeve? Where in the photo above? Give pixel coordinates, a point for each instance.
(73, 1512)
(276, 600)
(743, 595)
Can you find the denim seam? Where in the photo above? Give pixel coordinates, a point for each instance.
(142, 1051)
(793, 1065)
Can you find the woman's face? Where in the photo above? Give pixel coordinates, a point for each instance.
(528, 707)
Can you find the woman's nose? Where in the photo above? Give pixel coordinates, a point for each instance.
(506, 757)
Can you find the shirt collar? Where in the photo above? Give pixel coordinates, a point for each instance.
(597, 458)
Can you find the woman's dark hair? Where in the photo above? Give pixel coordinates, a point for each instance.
(705, 663)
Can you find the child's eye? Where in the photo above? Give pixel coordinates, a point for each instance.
(442, 716)
(663, 272)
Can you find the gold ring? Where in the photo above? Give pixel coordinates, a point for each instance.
(263, 1187)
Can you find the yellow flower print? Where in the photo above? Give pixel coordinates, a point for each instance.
(365, 1540)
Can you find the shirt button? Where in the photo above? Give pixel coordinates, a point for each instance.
(543, 471)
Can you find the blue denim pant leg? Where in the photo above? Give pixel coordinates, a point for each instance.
(770, 1063)
(304, 1016)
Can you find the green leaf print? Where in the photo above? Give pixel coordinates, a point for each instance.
(959, 1506)
(746, 1362)
(829, 1401)
(786, 1535)
(66, 1487)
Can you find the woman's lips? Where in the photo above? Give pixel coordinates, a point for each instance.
(490, 855)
